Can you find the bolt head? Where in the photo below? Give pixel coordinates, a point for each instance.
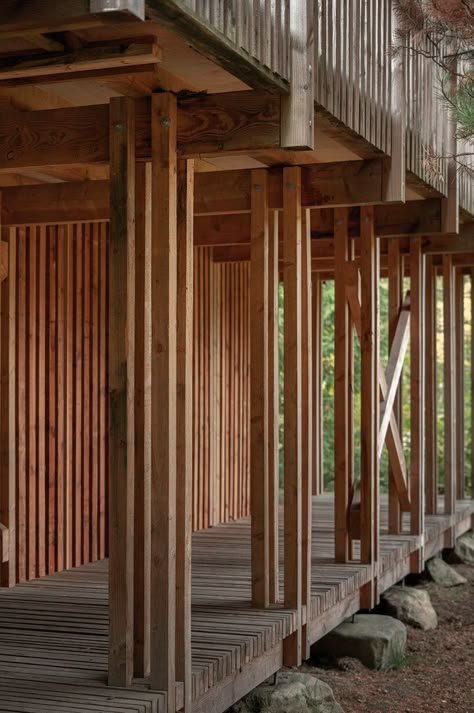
(165, 122)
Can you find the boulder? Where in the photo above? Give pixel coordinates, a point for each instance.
(464, 548)
(412, 606)
(377, 641)
(293, 692)
(444, 575)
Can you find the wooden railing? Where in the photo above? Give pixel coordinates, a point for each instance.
(259, 27)
(353, 65)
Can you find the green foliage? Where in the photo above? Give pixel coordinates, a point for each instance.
(328, 383)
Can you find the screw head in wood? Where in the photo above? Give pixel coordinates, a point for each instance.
(118, 126)
(166, 122)
(290, 186)
(257, 187)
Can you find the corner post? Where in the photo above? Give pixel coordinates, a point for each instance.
(369, 466)
(292, 407)
(317, 326)
(121, 389)
(163, 396)
(459, 347)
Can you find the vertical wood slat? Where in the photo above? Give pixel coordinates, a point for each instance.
(459, 350)
(8, 373)
(259, 472)
(472, 379)
(121, 376)
(431, 422)
(163, 396)
(184, 425)
(449, 387)
(292, 407)
(369, 466)
(306, 426)
(417, 460)
(342, 326)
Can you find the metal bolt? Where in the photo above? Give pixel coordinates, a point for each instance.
(366, 219)
(339, 222)
(166, 122)
(290, 186)
(257, 187)
(118, 126)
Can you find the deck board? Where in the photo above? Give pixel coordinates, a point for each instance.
(54, 630)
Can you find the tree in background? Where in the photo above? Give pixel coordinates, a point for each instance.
(443, 31)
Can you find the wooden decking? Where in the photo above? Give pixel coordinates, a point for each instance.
(53, 631)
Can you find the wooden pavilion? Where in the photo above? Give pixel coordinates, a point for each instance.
(165, 165)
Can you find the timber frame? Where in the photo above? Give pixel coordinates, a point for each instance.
(158, 219)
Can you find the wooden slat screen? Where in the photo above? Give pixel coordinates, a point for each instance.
(61, 396)
(259, 27)
(61, 405)
(221, 390)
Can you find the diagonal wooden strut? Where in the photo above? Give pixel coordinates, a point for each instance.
(394, 442)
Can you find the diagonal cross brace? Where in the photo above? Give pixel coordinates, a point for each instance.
(394, 443)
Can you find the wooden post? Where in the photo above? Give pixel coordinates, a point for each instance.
(317, 352)
(449, 388)
(306, 425)
(395, 299)
(184, 428)
(472, 381)
(259, 486)
(459, 351)
(121, 388)
(431, 424)
(163, 396)
(142, 485)
(8, 411)
(343, 325)
(292, 406)
(417, 461)
(369, 462)
(273, 408)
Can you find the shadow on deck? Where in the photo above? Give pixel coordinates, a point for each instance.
(53, 631)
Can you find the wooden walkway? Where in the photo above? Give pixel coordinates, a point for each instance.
(53, 631)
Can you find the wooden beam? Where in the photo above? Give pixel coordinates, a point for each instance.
(273, 408)
(449, 388)
(459, 355)
(213, 44)
(121, 385)
(259, 485)
(86, 60)
(431, 421)
(184, 429)
(207, 125)
(163, 396)
(342, 435)
(292, 407)
(297, 129)
(417, 430)
(369, 466)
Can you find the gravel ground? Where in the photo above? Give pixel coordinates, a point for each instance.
(437, 674)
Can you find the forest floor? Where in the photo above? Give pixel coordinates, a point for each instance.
(437, 674)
